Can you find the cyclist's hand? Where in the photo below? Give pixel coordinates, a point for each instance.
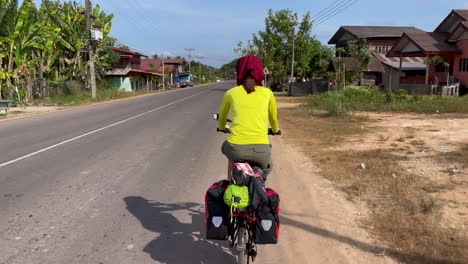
(270, 132)
(226, 130)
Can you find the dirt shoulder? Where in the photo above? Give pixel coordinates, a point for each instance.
(15, 112)
(428, 143)
(318, 223)
(403, 177)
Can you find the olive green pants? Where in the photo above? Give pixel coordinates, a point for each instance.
(260, 154)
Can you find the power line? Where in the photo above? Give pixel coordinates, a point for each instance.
(137, 23)
(326, 9)
(331, 10)
(190, 57)
(337, 12)
(129, 18)
(144, 52)
(151, 24)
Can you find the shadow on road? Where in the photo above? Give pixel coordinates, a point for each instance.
(177, 242)
(413, 258)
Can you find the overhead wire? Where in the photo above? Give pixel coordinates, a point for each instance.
(125, 16)
(327, 9)
(137, 23)
(329, 12)
(148, 25)
(145, 17)
(338, 11)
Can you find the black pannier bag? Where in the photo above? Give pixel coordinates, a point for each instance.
(267, 224)
(216, 212)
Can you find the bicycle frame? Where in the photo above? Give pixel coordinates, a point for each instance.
(241, 236)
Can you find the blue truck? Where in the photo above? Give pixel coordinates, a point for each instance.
(184, 79)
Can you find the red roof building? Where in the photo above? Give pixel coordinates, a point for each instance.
(382, 71)
(129, 75)
(174, 66)
(450, 42)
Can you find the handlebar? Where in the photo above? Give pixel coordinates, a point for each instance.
(228, 131)
(270, 131)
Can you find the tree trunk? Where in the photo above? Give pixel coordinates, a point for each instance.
(42, 85)
(10, 69)
(28, 88)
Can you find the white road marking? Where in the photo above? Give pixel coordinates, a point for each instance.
(97, 130)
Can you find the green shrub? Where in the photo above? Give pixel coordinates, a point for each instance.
(355, 98)
(334, 103)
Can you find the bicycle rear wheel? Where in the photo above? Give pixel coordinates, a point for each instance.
(242, 251)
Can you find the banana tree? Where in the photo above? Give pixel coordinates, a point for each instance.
(8, 9)
(27, 32)
(106, 57)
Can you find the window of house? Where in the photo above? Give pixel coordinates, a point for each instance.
(463, 65)
(381, 49)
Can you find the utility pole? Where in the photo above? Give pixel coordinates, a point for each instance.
(164, 74)
(199, 67)
(90, 50)
(190, 58)
(292, 60)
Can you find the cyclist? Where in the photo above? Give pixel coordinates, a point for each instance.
(253, 108)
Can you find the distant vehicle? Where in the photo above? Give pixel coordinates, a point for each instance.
(185, 79)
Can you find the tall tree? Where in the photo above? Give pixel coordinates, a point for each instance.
(274, 46)
(359, 49)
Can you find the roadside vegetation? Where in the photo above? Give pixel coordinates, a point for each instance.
(84, 97)
(45, 46)
(43, 53)
(274, 46)
(361, 98)
(404, 211)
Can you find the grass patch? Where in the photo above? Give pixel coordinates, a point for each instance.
(401, 139)
(418, 143)
(404, 212)
(355, 98)
(86, 98)
(383, 138)
(324, 130)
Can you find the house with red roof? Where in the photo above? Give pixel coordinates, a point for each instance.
(448, 41)
(382, 70)
(129, 75)
(172, 67)
(404, 54)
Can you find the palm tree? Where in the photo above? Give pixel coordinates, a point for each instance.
(8, 10)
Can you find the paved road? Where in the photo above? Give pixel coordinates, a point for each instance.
(124, 182)
(119, 182)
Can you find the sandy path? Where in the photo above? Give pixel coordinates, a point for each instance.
(319, 225)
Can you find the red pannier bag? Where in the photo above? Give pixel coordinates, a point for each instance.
(216, 212)
(267, 223)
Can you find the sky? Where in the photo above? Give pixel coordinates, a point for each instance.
(213, 27)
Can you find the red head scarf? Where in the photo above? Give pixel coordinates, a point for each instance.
(249, 65)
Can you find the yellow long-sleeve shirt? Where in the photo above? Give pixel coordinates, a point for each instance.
(251, 114)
